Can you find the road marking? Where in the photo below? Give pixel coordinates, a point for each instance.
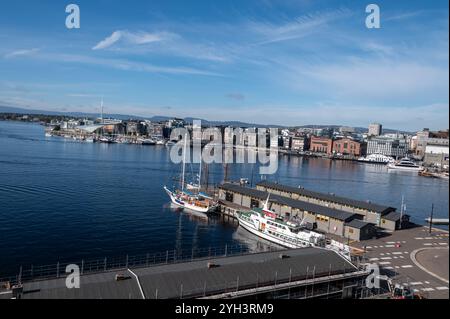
(406, 252)
(416, 283)
(389, 246)
(386, 258)
(388, 267)
(403, 241)
(374, 259)
(402, 257)
(442, 288)
(397, 267)
(418, 238)
(390, 242)
(407, 266)
(388, 253)
(443, 244)
(381, 254)
(427, 289)
(385, 263)
(397, 253)
(427, 282)
(428, 244)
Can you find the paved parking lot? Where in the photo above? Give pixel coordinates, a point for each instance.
(414, 257)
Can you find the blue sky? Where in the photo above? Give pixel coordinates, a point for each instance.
(290, 62)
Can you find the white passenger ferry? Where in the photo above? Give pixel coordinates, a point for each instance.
(288, 233)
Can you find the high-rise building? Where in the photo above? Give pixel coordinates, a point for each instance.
(375, 129)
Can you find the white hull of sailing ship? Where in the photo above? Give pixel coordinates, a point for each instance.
(180, 202)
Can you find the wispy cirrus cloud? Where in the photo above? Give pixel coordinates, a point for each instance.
(298, 28)
(19, 53)
(128, 65)
(137, 38)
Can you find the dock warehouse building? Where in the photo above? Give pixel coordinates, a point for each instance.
(370, 212)
(327, 220)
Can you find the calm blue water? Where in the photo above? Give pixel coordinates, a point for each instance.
(66, 200)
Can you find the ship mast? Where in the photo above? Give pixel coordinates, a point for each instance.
(184, 162)
(101, 106)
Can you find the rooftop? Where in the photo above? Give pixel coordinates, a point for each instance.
(281, 200)
(329, 197)
(195, 279)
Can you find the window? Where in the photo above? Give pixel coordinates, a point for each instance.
(350, 230)
(254, 203)
(229, 196)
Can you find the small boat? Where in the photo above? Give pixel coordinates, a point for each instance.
(47, 134)
(405, 164)
(160, 142)
(107, 140)
(376, 159)
(170, 143)
(90, 140)
(146, 141)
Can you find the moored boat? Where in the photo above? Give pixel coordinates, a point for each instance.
(376, 159)
(405, 164)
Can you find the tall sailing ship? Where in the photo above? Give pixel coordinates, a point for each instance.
(192, 199)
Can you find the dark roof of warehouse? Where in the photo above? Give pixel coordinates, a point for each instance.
(394, 216)
(192, 279)
(358, 224)
(282, 200)
(329, 197)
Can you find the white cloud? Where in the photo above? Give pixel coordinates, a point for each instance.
(302, 26)
(128, 65)
(19, 53)
(137, 38)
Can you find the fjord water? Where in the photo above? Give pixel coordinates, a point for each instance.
(63, 200)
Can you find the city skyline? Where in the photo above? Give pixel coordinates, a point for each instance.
(281, 63)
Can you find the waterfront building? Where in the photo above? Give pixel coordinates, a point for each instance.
(321, 145)
(375, 129)
(287, 141)
(299, 143)
(393, 147)
(347, 146)
(135, 128)
(437, 152)
(366, 210)
(325, 219)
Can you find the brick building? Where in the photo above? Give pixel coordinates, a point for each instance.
(321, 145)
(348, 146)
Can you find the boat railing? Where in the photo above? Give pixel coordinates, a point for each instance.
(91, 266)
